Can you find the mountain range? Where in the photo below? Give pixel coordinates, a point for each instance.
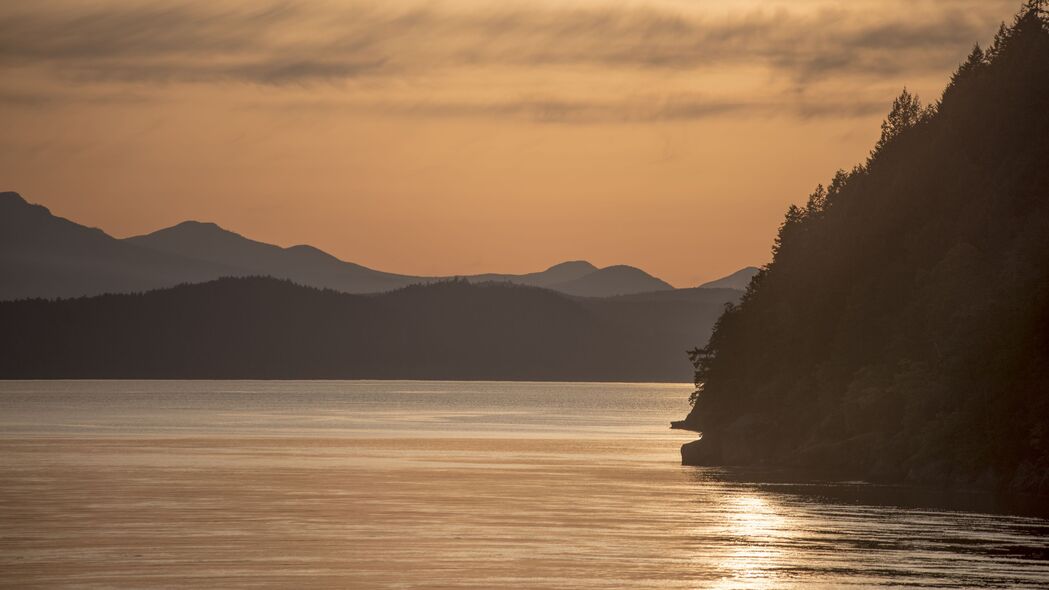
(199, 301)
(42, 255)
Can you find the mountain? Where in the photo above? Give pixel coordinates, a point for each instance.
(737, 280)
(311, 267)
(558, 273)
(612, 280)
(47, 256)
(267, 328)
(303, 264)
(901, 331)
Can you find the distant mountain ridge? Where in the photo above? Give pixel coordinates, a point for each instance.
(42, 255)
(558, 273)
(612, 280)
(303, 264)
(46, 256)
(737, 280)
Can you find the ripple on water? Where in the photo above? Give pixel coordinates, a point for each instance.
(431, 485)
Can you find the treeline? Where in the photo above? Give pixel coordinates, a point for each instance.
(902, 329)
(265, 328)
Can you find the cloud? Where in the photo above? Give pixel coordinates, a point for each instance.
(555, 110)
(639, 109)
(40, 100)
(302, 44)
(277, 71)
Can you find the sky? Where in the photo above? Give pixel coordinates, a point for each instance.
(459, 137)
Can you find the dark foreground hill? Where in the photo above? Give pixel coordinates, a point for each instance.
(267, 328)
(902, 329)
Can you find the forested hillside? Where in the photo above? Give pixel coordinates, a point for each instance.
(902, 329)
(253, 327)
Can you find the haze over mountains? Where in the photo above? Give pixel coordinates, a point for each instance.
(42, 255)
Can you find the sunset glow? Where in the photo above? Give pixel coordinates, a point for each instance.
(460, 137)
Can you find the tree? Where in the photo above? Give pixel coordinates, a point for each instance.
(907, 112)
(973, 63)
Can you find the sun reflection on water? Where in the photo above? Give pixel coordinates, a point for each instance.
(755, 556)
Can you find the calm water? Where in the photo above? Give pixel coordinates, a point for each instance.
(440, 485)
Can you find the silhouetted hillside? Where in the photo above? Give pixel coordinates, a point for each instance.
(902, 329)
(266, 328)
(694, 294)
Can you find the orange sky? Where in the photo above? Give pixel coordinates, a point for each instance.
(460, 137)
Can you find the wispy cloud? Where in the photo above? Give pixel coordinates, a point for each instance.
(638, 109)
(303, 44)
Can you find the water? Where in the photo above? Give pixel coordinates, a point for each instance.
(445, 485)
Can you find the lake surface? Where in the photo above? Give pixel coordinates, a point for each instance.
(445, 485)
